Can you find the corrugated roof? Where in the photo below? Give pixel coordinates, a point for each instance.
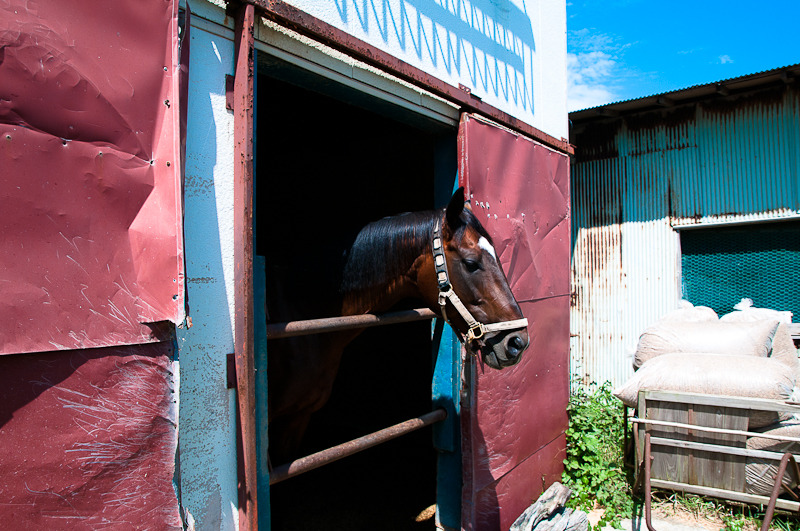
(725, 87)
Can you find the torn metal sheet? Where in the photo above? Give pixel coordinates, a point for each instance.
(92, 253)
(89, 439)
(516, 417)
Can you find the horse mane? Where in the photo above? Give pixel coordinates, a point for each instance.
(385, 249)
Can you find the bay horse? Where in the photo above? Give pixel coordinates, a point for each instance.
(443, 259)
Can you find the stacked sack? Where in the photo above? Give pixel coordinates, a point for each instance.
(746, 353)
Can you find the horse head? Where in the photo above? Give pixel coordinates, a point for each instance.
(473, 291)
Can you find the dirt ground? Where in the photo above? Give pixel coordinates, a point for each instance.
(667, 518)
(674, 517)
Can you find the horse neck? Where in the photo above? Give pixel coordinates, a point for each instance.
(398, 289)
(397, 278)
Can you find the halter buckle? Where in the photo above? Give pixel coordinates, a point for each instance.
(471, 335)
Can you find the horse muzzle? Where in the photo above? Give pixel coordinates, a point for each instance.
(504, 349)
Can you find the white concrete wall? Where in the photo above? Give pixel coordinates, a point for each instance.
(207, 437)
(511, 53)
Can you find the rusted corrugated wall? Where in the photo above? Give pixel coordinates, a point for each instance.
(640, 177)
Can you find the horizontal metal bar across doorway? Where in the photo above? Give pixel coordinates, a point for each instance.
(348, 322)
(332, 324)
(324, 457)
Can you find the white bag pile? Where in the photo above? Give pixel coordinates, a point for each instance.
(747, 353)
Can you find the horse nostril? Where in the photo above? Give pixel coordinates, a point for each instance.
(516, 345)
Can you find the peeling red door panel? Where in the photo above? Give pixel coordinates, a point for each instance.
(514, 424)
(92, 251)
(89, 439)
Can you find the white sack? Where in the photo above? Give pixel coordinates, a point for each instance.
(760, 473)
(714, 337)
(689, 313)
(782, 342)
(713, 374)
(746, 305)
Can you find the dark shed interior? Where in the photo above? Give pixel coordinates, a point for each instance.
(330, 159)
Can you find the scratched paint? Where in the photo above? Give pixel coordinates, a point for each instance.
(89, 439)
(91, 282)
(90, 154)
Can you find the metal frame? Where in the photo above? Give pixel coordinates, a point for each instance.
(644, 442)
(243, 268)
(348, 322)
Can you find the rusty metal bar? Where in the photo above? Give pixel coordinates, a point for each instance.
(648, 491)
(777, 488)
(348, 322)
(319, 30)
(243, 261)
(324, 457)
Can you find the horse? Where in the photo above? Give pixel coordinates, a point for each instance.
(443, 259)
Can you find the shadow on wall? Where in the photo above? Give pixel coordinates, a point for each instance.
(489, 42)
(207, 465)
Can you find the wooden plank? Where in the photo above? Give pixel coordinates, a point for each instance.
(685, 464)
(785, 438)
(699, 442)
(669, 463)
(761, 404)
(676, 420)
(726, 471)
(787, 505)
(729, 450)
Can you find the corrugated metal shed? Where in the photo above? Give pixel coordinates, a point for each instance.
(645, 169)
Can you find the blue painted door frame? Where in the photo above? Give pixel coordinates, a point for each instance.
(446, 385)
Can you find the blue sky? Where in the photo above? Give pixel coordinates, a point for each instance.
(624, 49)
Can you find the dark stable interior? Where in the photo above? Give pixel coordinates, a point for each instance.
(328, 161)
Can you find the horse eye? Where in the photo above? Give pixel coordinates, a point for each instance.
(471, 265)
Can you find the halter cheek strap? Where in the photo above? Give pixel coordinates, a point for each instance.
(476, 330)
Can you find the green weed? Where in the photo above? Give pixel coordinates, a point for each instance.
(593, 467)
(594, 470)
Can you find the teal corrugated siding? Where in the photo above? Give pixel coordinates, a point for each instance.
(637, 178)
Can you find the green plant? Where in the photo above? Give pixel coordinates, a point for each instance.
(594, 470)
(593, 467)
(750, 518)
(735, 523)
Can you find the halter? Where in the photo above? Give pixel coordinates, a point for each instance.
(476, 330)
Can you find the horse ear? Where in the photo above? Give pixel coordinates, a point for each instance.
(455, 208)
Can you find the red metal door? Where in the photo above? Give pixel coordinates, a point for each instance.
(91, 263)
(92, 250)
(514, 422)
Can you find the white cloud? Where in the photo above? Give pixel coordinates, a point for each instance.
(725, 59)
(594, 69)
(590, 78)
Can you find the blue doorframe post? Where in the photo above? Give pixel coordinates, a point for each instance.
(446, 385)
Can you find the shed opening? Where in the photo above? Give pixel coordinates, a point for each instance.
(329, 160)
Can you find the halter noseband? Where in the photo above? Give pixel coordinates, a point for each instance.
(476, 330)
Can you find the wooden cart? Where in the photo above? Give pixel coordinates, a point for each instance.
(697, 443)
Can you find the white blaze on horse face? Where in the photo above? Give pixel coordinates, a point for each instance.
(484, 244)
